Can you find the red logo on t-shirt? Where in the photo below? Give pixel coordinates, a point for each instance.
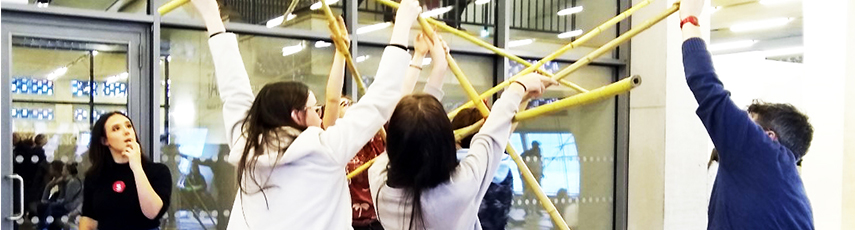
(119, 186)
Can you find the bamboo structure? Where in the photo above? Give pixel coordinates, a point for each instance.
(585, 38)
(584, 96)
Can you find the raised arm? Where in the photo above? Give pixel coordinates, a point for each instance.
(232, 79)
(422, 45)
(438, 53)
(365, 118)
(336, 79)
(487, 148)
(729, 127)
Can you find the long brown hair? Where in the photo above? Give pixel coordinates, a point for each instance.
(421, 149)
(263, 127)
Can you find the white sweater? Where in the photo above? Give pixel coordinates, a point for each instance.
(308, 188)
(453, 205)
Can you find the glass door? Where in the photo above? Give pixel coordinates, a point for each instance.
(56, 82)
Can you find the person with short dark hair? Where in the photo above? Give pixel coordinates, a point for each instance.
(758, 184)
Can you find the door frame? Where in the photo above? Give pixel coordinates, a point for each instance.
(135, 34)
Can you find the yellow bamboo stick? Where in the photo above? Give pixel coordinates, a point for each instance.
(170, 6)
(361, 168)
(335, 30)
(529, 179)
(585, 38)
(616, 42)
(482, 107)
(459, 134)
(610, 90)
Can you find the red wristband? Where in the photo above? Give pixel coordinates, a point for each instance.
(690, 19)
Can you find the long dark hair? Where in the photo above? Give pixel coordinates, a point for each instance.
(270, 111)
(421, 149)
(99, 154)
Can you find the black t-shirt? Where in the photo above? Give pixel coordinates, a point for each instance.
(111, 196)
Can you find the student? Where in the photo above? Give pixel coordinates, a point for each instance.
(758, 185)
(123, 188)
(498, 199)
(419, 184)
(290, 172)
(364, 216)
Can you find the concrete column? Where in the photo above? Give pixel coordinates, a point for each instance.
(828, 172)
(667, 147)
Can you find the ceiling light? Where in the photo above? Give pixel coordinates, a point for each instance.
(317, 5)
(570, 34)
(570, 11)
(288, 50)
(784, 51)
(57, 73)
(759, 25)
(436, 12)
(372, 28)
(518, 43)
(362, 58)
(732, 45)
(94, 53)
(481, 2)
(278, 20)
(322, 44)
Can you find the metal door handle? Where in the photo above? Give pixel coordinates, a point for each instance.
(21, 197)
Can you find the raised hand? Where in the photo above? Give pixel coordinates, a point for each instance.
(342, 28)
(408, 11)
(423, 44)
(438, 51)
(691, 8)
(535, 84)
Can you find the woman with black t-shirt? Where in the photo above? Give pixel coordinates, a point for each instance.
(123, 189)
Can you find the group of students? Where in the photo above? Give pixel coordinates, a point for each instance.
(290, 159)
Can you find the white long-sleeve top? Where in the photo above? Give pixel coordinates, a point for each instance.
(454, 204)
(307, 186)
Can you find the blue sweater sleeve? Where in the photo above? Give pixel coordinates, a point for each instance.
(737, 138)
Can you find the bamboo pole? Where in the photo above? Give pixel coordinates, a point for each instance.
(610, 90)
(170, 6)
(616, 42)
(529, 179)
(361, 168)
(578, 42)
(459, 134)
(468, 37)
(343, 48)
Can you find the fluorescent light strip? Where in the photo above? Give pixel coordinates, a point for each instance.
(372, 28)
(278, 20)
(481, 2)
(436, 12)
(760, 25)
(784, 51)
(288, 50)
(317, 5)
(570, 34)
(362, 58)
(570, 11)
(322, 44)
(732, 45)
(57, 73)
(519, 43)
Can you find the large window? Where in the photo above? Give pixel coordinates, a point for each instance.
(193, 133)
